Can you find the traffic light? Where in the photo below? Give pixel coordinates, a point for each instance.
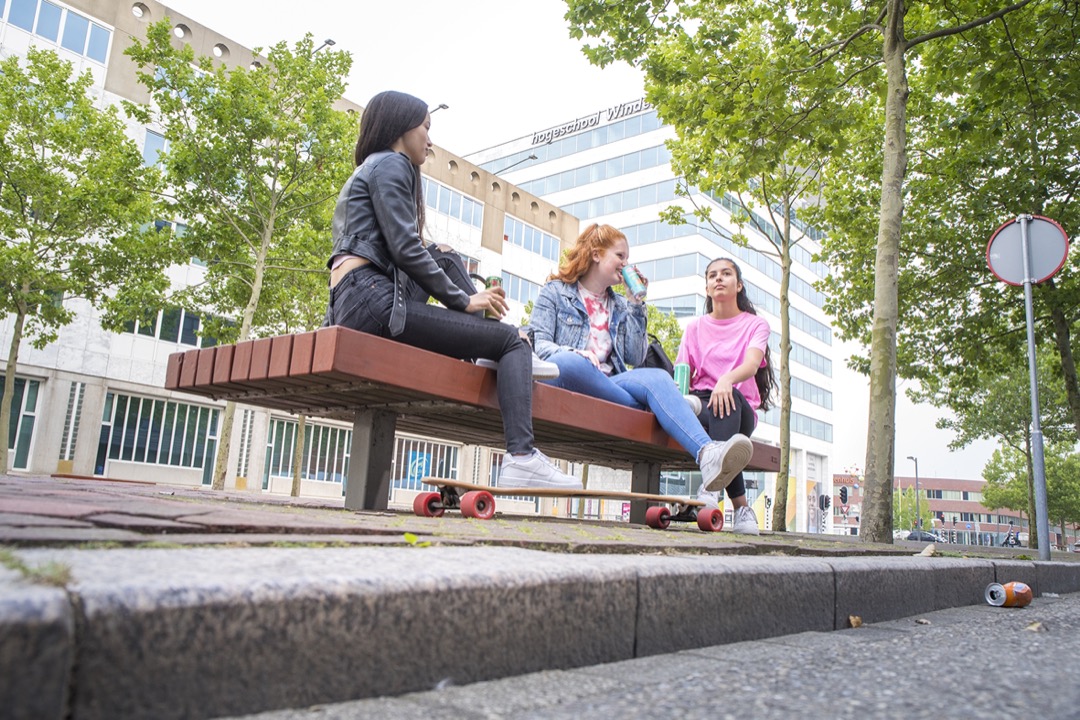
(843, 494)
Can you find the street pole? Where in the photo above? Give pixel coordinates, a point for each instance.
(918, 525)
(1038, 462)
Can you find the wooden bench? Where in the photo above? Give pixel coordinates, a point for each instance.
(382, 386)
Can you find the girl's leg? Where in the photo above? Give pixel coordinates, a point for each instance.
(742, 421)
(578, 374)
(654, 389)
(362, 301)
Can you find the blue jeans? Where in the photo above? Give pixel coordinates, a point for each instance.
(641, 388)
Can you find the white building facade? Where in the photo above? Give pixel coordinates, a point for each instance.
(612, 166)
(93, 403)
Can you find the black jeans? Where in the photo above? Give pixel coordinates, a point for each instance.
(743, 420)
(363, 300)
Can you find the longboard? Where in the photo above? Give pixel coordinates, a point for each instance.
(478, 501)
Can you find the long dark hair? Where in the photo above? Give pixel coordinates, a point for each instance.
(765, 378)
(387, 117)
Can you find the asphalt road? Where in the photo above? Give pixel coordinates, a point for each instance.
(972, 662)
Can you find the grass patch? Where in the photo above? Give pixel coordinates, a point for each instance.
(51, 573)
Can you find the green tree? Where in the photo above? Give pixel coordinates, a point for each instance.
(75, 204)
(903, 511)
(1002, 145)
(253, 157)
(1008, 484)
(999, 408)
(753, 142)
(858, 55)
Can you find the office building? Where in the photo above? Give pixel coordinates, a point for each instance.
(92, 403)
(612, 166)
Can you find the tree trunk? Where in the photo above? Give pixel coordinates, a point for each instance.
(9, 387)
(1062, 339)
(298, 454)
(584, 484)
(221, 461)
(779, 522)
(221, 465)
(881, 431)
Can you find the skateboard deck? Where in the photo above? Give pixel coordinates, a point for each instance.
(478, 501)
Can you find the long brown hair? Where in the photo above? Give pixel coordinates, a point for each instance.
(764, 378)
(387, 117)
(578, 259)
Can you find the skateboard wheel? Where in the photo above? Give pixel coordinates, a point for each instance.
(427, 504)
(478, 504)
(710, 519)
(658, 517)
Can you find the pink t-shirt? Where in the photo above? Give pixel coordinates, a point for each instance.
(713, 347)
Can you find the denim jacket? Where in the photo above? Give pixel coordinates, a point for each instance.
(561, 322)
(375, 218)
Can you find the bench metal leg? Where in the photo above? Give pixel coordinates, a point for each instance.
(368, 484)
(644, 478)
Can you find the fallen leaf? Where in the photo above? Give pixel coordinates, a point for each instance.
(1036, 627)
(922, 621)
(855, 621)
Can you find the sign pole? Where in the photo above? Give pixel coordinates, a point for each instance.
(1042, 527)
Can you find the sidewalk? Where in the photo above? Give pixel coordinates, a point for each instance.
(187, 603)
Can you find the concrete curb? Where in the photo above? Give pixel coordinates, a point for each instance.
(206, 632)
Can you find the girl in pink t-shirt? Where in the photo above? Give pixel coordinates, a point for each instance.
(727, 349)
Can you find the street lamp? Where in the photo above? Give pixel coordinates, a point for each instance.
(325, 43)
(918, 525)
(437, 108)
(515, 164)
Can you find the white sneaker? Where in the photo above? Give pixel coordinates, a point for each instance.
(711, 499)
(534, 471)
(541, 369)
(694, 402)
(721, 460)
(745, 521)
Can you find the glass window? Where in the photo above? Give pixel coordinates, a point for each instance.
(189, 331)
(98, 47)
(75, 28)
(152, 148)
(22, 14)
(48, 22)
(170, 324)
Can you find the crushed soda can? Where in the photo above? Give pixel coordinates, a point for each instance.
(1012, 594)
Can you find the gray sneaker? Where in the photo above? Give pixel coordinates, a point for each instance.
(541, 369)
(694, 402)
(711, 499)
(745, 521)
(721, 460)
(534, 471)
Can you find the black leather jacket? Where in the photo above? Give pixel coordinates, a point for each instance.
(375, 218)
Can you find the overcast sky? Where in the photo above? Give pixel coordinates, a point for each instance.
(507, 68)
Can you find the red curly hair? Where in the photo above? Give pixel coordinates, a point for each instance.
(595, 238)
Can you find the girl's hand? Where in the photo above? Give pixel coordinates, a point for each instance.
(490, 300)
(591, 357)
(722, 400)
(630, 298)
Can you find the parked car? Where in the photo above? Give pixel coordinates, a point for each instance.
(925, 536)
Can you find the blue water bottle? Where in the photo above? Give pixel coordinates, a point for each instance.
(635, 283)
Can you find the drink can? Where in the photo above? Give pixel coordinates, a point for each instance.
(1012, 594)
(492, 281)
(682, 377)
(635, 283)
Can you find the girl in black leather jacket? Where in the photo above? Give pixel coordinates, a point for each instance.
(381, 275)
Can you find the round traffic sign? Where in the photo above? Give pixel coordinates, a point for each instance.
(1048, 246)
